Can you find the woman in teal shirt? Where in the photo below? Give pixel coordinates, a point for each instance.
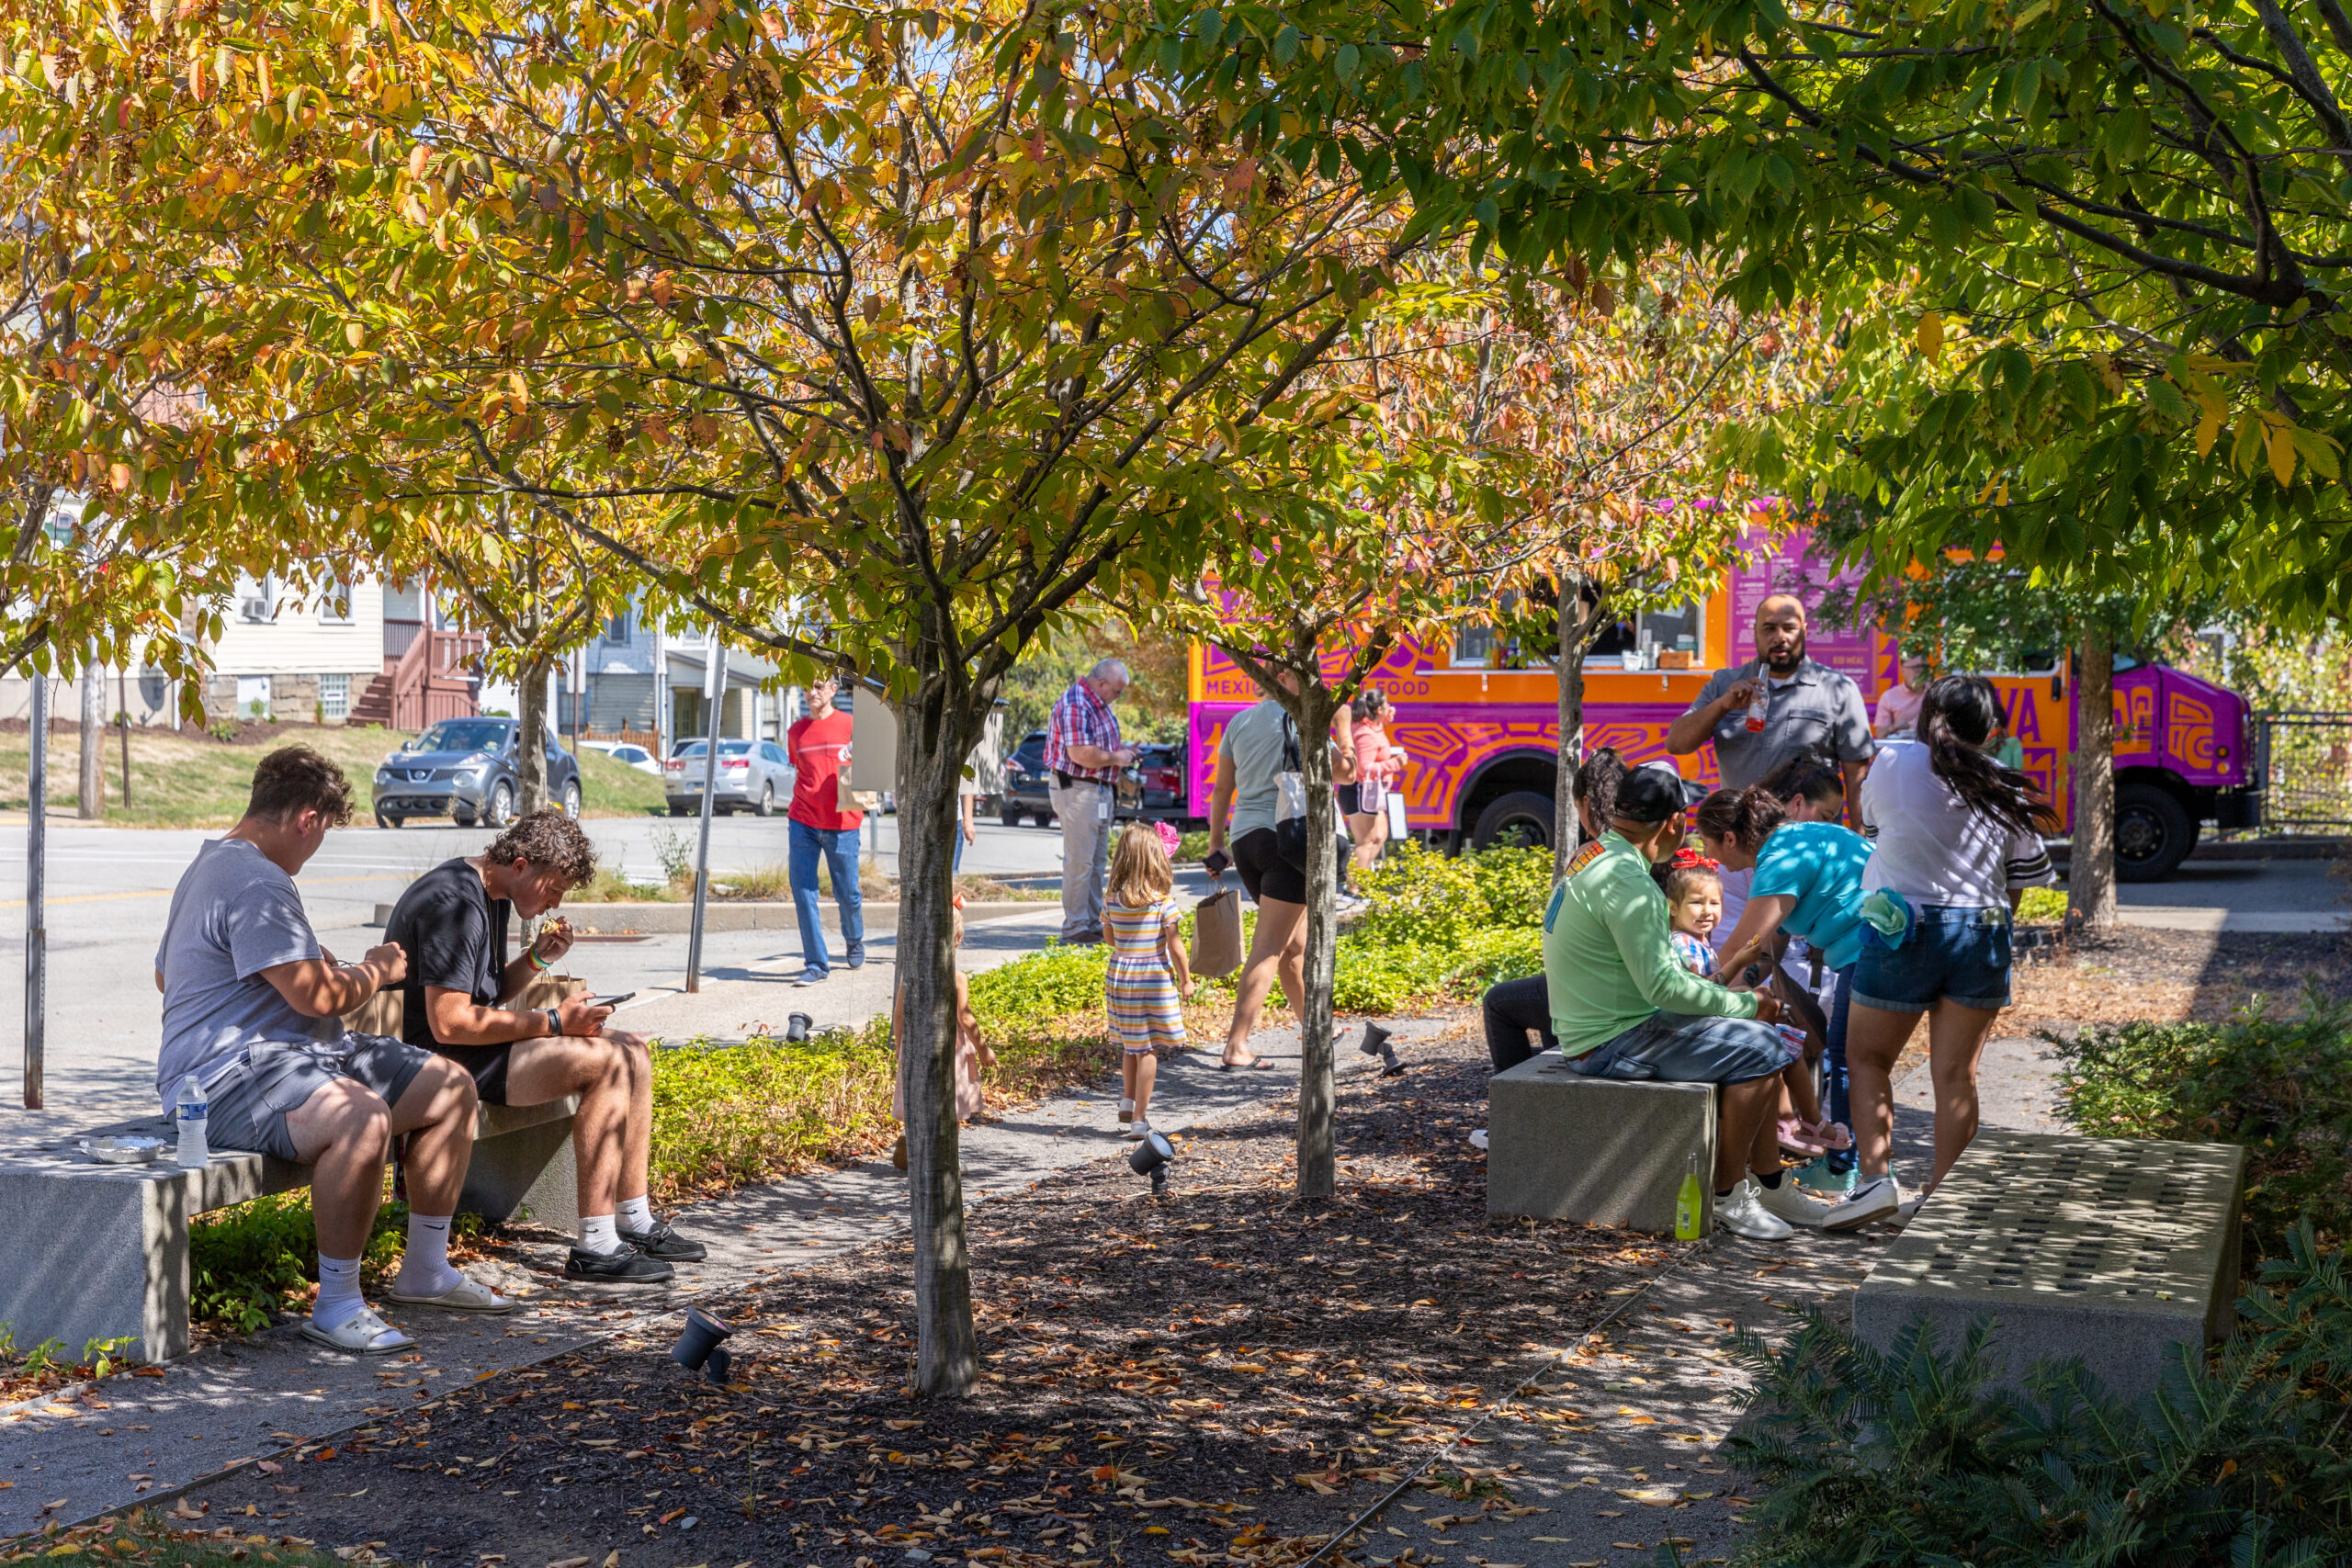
(1808, 883)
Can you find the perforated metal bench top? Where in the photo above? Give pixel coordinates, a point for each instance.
(2112, 1223)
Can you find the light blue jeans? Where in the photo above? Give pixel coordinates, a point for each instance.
(839, 846)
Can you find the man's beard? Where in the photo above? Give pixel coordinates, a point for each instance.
(1781, 664)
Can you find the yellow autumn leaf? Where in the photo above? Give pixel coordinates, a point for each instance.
(2280, 439)
(2207, 428)
(1931, 334)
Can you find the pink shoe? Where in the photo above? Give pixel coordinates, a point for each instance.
(1795, 1138)
(1837, 1135)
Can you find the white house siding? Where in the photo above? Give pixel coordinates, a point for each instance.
(292, 651)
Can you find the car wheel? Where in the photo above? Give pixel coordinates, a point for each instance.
(462, 818)
(2154, 833)
(1522, 820)
(383, 820)
(500, 808)
(766, 807)
(572, 800)
(677, 811)
(1044, 818)
(1010, 816)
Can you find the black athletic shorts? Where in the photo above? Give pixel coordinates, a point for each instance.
(1264, 872)
(1350, 795)
(485, 1064)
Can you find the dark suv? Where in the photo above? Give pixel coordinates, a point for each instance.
(465, 769)
(1026, 783)
(1152, 787)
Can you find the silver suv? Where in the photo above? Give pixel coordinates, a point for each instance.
(465, 769)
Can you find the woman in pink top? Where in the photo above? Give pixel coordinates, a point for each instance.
(1377, 766)
(1898, 706)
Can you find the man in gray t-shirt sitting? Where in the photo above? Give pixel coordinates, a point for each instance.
(250, 1011)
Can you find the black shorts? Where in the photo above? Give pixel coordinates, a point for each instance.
(1350, 796)
(1264, 872)
(486, 1065)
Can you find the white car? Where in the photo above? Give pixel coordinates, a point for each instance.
(628, 754)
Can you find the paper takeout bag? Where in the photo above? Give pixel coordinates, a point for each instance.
(384, 1013)
(1217, 934)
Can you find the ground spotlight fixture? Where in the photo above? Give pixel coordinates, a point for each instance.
(1376, 1044)
(797, 1027)
(698, 1348)
(1151, 1158)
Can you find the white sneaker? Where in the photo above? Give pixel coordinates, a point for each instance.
(1137, 1129)
(1874, 1198)
(1741, 1214)
(1789, 1202)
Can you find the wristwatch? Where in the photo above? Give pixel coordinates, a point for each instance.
(555, 1022)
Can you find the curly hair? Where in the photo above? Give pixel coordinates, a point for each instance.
(549, 840)
(294, 778)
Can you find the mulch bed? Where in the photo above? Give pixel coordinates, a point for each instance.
(1227, 1375)
(2170, 975)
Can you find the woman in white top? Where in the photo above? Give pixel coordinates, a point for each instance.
(1958, 845)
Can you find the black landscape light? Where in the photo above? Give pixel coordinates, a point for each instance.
(797, 1027)
(1376, 1044)
(698, 1348)
(1151, 1158)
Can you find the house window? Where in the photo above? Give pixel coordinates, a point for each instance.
(616, 630)
(257, 599)
(334, 696)
(335, 609)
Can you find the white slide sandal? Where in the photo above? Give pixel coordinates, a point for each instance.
(463, 1296)
(366, 1335)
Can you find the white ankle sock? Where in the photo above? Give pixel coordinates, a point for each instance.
(599, 1234)
(425, 1268)
(635, 1214)
(338, 1301)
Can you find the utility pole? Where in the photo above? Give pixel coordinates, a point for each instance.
(93, 801)
(36, 892)
(714, 697)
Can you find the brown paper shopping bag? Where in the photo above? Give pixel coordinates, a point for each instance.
(1217, 934)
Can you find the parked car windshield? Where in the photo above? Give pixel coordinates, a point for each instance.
(463, 735)
(725, 749)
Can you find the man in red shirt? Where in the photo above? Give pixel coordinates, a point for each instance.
(819, 745)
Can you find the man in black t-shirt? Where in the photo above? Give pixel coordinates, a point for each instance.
(452, 922)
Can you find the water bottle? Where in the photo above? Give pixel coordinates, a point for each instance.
(194, 1154)
(1687, 1204)
(1760, 709)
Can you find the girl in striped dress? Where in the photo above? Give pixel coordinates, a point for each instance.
(1149, 976)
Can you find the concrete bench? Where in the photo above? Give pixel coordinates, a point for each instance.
(98, 1251)
(1563, 1147)
(2117, 1250)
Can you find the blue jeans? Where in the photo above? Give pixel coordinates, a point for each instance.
(1834, 1059)
(839, 846)
(1676, 1048)
(1952, 952)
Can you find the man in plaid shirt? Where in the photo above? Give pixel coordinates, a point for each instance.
(1084, 753)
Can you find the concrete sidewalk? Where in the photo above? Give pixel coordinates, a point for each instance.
(1659, 1388)
(107, 1446)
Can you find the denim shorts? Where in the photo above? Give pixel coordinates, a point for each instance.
(1678, 1048)
(1954, 953)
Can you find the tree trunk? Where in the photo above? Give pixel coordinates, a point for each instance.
(1315, 708)
(936, 731)
(92, 802)
(2090, 871)
(531, 731)
(1578, 620)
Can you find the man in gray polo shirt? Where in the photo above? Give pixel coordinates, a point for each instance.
(1815, 711)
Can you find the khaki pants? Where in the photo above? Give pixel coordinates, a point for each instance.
(1084, 813)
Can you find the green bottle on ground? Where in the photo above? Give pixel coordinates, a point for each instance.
(1687, 1204)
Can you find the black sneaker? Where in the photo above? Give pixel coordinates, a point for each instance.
(660, 1241)
(626, 1267)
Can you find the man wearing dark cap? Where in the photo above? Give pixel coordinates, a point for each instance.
(1624, 1007)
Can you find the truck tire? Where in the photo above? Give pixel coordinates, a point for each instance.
(2153, 833)
(1521, 820)
(1010, 816)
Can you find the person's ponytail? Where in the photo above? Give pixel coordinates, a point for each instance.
(1745, 817)
(1957, 717)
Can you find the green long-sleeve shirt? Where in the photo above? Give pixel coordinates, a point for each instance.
(1607, 960)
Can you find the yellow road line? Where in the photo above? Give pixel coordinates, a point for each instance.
(166, 892)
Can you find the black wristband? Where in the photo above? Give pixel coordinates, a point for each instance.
(555, 1023)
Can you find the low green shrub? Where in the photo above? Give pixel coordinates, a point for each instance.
(1905, 1458)
(2280, 1087)
(1419, 897)
(2042, 905)
(727, 1116)
(1192, 846)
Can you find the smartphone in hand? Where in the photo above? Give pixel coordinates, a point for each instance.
(611, 1001)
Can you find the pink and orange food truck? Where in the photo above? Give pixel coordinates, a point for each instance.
(1479, 726)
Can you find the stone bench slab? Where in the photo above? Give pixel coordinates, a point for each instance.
(2117, 1250)
(101, 1251)
(1564, 1146)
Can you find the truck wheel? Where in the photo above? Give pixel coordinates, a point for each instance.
(1043, 818)
(1521, 820)
(1010, 816)
(2153, 833)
